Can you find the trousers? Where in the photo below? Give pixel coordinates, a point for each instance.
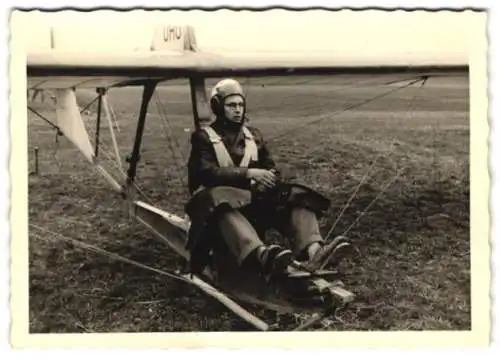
(241, 217)
(242, 237)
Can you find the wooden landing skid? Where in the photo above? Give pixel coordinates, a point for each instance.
(240, 285)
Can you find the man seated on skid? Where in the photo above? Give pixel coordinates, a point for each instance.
(237, 192)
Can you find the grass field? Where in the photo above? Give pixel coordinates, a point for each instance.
(413, 268)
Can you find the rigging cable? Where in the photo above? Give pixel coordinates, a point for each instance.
(363, 179)
(348, 108)
(172, 141)
(384, 188)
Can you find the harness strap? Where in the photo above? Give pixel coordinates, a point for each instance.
(251, 150)
(223, 157)
(221, 153)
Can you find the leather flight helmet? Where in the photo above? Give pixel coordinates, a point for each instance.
(221, 91)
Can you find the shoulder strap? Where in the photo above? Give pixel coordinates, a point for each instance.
(251, 150)
(223, 157)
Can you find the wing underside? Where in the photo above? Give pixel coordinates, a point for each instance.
(67, 82)
(52, 70)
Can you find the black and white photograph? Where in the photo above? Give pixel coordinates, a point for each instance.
(249, 170)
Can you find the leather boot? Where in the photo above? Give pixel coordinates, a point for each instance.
(275, 260)
(329, 253)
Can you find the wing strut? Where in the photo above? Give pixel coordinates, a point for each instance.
(201, 108)
(109, 116)
(148, 91)
(100, 91)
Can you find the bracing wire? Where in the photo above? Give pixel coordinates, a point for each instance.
(172, 141)
(384, 188)
(347, 108)
(346, 205)
(103, 252)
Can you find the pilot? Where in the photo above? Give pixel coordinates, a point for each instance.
(237, 194)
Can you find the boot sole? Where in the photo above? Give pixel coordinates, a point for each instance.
(337, 246)
(277, 260)
(282, 261)
(337, 254)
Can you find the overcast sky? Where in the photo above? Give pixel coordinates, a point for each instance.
(443, 36)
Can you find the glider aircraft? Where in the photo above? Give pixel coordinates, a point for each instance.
(174, 54)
